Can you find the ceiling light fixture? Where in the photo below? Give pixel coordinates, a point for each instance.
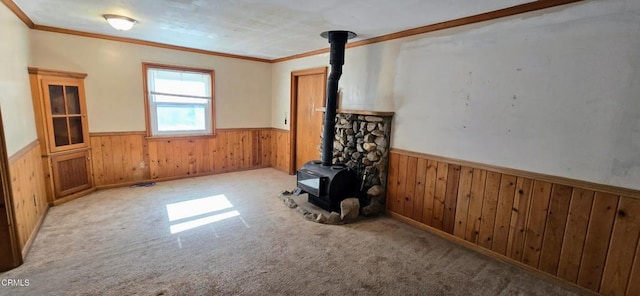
(119, 22)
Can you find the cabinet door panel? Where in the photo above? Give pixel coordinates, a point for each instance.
(65, 111)
(71, 173)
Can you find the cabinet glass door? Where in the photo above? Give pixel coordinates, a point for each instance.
(67, 118)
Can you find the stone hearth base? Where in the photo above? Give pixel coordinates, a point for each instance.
(349, 209)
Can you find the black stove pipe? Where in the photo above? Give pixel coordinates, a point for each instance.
(337, 39)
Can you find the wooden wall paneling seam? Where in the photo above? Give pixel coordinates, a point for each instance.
(624, 240)
(154, 161)
(203, 156)
(463, 200)
(555, 228)
(504, 211)
(429, 193)
(439, 195)
(146, 174)
(520, 214)
(107, 160)
(255, 148)
(118, 155)
(597, 240)
(229, 156)
(474, 216)
(231, 151)
(538, 214)
(128, 153)
(247, 156)
(634, 277)
(402, 183)
(489, 206)
(451, 196)
(409, 196)
(241, 146)
(217, 154)
(421, 176)
(392, 181)
(97, 159)
(575, 234)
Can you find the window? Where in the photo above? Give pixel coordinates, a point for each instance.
(179, 101)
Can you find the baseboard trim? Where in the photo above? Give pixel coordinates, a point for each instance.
(71, 197)
(126, 184)
(34, 233)
(458, 241)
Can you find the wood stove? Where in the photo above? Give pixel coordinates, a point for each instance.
(326, 183)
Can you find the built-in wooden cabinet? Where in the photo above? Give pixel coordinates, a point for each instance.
(61, 119)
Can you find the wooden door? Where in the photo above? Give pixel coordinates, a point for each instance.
(10, 255)
(71, 173)
(309, 95)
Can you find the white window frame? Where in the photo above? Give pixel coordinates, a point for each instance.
(151, 105)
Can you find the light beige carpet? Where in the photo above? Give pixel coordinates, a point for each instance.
(119, 242)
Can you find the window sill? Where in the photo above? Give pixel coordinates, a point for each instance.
(179, 137)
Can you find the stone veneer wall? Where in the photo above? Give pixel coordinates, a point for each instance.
(361, 142)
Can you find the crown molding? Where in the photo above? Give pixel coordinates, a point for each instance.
(146, 43)
(19, 13)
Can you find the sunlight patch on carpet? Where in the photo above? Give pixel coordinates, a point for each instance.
(193, 211)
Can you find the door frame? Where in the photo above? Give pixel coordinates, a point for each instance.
(6, 196)
(293, 109)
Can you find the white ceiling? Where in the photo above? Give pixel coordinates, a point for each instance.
(258, 28)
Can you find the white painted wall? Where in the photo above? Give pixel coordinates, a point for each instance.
(554, 92)
(15, 94)
(115, 98)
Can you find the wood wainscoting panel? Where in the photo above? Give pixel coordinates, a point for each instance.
(280, 154)
(474, 215)
(130, 157)
(29, 194)
(118, 158)
(577, 232)
(504, 213)
(622, 249)
(489, 206)
(230, 150)
(519, 218)
(555, 228)
(596, 242)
